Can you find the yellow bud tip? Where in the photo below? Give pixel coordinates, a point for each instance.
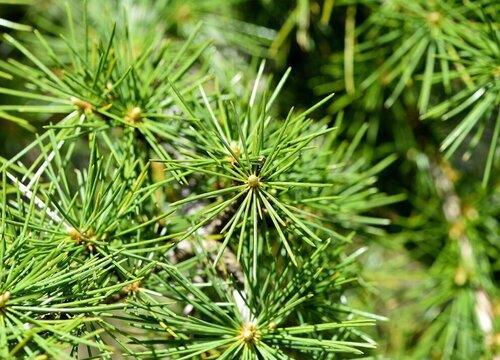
(75, 235)
(249, 333)
(132, 288)
(460, 276)
(457, 229)
(134, 115)
(253, 181)
(496, 71)
(4, 298)
(434, 17)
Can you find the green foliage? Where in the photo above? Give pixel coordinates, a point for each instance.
(168, 203)
(235, 322)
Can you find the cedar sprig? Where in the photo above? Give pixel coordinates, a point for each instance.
(228, 321)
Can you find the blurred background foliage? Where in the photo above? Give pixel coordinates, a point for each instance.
(421, 78)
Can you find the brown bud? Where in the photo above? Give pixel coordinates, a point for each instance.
(83, 105)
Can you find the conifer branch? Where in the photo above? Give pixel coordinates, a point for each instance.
(453, 212)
